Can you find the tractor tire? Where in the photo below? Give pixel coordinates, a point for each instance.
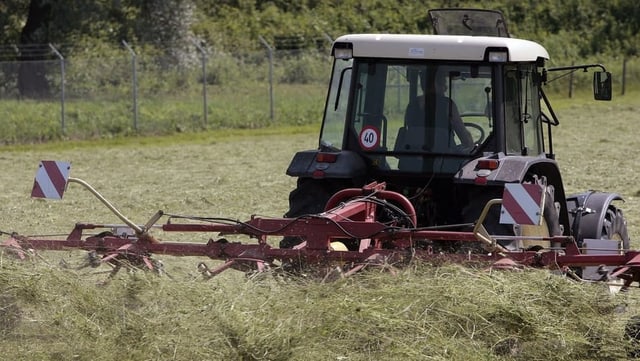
(310, 197)
(603, 221)
(606, 221)
(615, 227)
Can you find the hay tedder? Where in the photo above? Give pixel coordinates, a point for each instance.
(380, 224)
(433, 147)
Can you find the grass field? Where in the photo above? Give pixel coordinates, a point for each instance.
(48, 312)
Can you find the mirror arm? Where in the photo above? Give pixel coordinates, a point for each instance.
(576, 67)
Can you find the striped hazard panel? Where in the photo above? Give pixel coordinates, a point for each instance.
(522, 204)
(51, 179)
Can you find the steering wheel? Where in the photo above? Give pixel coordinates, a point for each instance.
(475, 129)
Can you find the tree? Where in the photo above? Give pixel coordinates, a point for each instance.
(166, 24)
(32, 81)
(12, 15)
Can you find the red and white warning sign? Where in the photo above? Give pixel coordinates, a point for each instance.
(369, 137)
(522, 204)
(51, 179)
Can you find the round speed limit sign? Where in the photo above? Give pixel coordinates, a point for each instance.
(369, 137)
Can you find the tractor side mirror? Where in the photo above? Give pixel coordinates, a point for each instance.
(602, 85)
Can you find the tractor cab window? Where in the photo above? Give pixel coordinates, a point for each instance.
(403, 114)
(333, 126)
(523, 128)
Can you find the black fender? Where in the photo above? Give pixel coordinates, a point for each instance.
(341, 164)
(517, 169)
(587, 212)
(594, 218)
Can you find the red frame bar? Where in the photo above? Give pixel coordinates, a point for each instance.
(345, 219)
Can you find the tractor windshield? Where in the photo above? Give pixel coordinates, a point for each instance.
(402, 114)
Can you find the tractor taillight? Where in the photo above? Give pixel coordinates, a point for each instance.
(317, 174)
(326, 157)
(490, 164)
(480, 180)
(484, 167)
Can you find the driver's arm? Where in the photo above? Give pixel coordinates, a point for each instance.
(459, 128)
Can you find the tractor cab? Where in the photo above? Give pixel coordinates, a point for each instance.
(445, 119)
(428, 104)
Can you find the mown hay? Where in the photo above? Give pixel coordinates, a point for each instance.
(422, 313)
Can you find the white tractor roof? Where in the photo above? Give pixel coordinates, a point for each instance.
(440, 47)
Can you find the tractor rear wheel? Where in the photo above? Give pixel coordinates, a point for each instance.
(601, 218)
(615, 227)
(310, 197)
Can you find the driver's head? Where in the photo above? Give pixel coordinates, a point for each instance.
(436, 84)
(440, 83)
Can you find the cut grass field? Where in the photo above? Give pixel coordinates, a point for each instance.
(50, 312)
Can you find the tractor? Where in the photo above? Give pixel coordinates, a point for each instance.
(447, 120)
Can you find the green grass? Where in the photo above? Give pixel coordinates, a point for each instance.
(48, 312)
(245, 106)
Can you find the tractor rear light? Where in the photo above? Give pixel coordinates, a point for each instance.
(326, 157)
(490, 164)
(480, 180)
(481, 176)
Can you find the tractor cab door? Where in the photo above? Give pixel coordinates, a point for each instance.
(522, 115)
(335, 114)
(368, 109)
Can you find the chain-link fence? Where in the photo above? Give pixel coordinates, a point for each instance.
(129, 91)
(126, 90)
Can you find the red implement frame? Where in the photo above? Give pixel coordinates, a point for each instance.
(350, 216)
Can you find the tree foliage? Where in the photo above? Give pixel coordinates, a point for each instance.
(586, 26)
(582, 27)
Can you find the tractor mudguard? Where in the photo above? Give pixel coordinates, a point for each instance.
(592, 207)
(516, 169)
(342, 164)
(598, 226)
(510, 169)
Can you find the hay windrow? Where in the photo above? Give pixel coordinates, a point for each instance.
(423, 312)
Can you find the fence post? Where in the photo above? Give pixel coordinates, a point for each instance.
(62, 80)
(270, 52)
(571, 82)
(204, 81)
(624, 74)
(135, 84)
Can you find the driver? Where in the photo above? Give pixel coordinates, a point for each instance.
(445, 108)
